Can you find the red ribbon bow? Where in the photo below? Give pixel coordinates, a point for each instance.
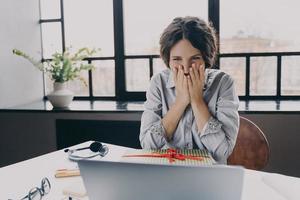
(171, 155)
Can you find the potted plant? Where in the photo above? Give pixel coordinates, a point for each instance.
(61, 68)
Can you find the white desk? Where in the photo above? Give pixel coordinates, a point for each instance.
(16, 180)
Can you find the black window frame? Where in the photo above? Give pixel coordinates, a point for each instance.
(119, 58)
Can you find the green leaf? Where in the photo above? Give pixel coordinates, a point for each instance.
(63, 66)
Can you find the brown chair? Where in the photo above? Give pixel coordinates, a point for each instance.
(252, 148)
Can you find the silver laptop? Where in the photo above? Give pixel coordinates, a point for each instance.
(105, 180)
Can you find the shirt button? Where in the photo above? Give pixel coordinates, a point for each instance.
(188, 145)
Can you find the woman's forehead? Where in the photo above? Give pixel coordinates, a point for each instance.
(184, 48)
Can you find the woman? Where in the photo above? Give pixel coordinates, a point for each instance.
(189, 105)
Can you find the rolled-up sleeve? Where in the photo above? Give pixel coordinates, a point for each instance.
(152, 132)
(220, 132)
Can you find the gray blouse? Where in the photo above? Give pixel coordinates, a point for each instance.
(218, 135)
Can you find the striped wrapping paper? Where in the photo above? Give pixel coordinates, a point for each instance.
(207, 158)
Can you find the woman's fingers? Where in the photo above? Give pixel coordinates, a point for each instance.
(190, 84)
(180, 74)
(185, 82)
(202, 73)
(196, 71)
(175, 73)
(193, 73)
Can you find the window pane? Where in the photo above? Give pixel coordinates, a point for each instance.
(290, 79)
(137, 74)
(104, 78)
(50, 9)
(76, 86)
(259, 26)
(89, 24)
(144, 21)
(263, 75)
(262, 105)
(158, 65)
(51, 36)
(236, 68)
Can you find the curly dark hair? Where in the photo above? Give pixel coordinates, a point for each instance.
(200, 34)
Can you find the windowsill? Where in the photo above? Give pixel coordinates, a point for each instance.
(81, 106)
(253, 106)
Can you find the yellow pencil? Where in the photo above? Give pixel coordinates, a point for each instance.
(67, 173)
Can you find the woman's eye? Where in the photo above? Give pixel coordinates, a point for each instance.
(196, 58)
(176, 59)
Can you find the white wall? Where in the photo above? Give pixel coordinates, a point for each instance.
(20, 82)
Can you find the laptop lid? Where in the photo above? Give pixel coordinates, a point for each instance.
(134, 181)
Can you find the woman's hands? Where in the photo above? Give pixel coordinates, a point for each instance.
(181, 86)
(196, 79)
(189, 90)
(189, 87)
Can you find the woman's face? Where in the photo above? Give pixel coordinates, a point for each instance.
(183, 53)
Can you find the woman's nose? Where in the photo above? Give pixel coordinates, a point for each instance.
(186, 67)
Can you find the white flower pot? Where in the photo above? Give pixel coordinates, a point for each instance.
(61, 97)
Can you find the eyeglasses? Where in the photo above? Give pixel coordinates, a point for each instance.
(37, 193)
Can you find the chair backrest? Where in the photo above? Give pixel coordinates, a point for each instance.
(252, 148)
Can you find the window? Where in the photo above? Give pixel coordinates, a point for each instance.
(51, 33)
(137, 74)
(144, 21)
(260, 51)
(104, 78)
(237, 69)
(89, 24)
(82, 24)
(263, 75)
(50, 9)
(267, 39)
(290, 75)
(259, 26)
